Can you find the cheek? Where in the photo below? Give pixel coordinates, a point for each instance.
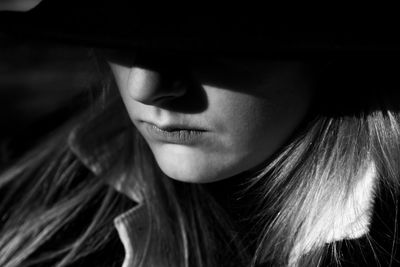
(121, 75)
(253, 128)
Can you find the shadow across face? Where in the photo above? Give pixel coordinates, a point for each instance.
(259, 77)
(174, 71)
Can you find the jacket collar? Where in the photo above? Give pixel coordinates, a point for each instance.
(99, 147)
(98, 139)
(99, 142)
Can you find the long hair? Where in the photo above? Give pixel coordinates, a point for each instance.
(287, 201)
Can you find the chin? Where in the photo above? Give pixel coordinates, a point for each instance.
(188, 165)
(192, 165)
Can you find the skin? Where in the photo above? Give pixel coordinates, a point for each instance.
(248, 109)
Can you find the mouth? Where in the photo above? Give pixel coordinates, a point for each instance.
(174, 133)
(174, 127)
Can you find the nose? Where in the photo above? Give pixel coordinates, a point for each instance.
(153, 87)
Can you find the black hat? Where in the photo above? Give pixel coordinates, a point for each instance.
(201, 27)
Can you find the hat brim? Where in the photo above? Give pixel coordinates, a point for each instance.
(207, 36)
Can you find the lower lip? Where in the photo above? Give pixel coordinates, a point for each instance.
(183, 137)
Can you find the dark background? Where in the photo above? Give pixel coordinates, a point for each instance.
(39, 85)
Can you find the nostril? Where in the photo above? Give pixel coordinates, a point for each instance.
(153, 87)
(170, 91)
(179, 88)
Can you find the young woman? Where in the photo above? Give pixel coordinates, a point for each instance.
(200, 156)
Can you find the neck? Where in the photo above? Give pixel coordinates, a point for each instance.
(238, 204)
(229, 192)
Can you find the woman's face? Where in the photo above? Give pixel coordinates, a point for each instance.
(210, 119)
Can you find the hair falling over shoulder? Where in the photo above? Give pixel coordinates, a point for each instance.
(49, 192)
(45, 196)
